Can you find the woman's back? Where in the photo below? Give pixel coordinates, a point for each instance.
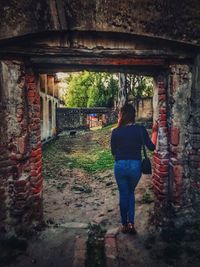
(126, 142)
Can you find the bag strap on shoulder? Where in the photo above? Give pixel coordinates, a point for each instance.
(143, 144)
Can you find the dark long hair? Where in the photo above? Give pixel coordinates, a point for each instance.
(126, 115)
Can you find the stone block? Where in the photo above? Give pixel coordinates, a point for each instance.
(161, 187)
(162, 168)
(36, 152)
(162, 110)
(111, 251)
(161, 174)
(6, 163)
(162, 98)
(160, 161)
(20, 183)
(161, 91)
(177, 174)
(160, 195)
(30, 78)
(163, 117)
(159, 179)
(80, 252)
(163, 123)
(31, 87)
(175, 135)
(22, 144)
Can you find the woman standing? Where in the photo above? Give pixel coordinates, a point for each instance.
(126, 145)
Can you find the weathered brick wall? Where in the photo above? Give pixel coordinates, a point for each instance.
(185, 141)
(20, 162)
(176, 160)
(179, 113)
(161, 156)
(35, 149)
(166, 19)
(192, 149)
(76, 118)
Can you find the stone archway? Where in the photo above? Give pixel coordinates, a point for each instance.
(113, 39)
(173, 177)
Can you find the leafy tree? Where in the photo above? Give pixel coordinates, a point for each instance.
(76, 95)
(139, 86)
(89, 89)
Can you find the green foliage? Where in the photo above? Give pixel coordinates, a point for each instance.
(77, 93)
(90, 89)
(140, 86)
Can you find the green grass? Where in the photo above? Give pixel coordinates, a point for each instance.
(96, 160)
(90, 152)
(92, 156)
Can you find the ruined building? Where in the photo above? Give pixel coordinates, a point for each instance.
(148, 37)
(49, 102)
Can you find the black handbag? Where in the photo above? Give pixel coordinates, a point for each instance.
(146, 163)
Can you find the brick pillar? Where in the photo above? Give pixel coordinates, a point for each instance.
(160, 175)
(180, 112)
(20, 190)
(5, 164)
(36, 178)
(192, 150)
(185, 141)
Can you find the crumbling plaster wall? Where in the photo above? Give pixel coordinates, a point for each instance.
(177, 20)
(20, 161)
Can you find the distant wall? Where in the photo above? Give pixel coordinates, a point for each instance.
(49, 101)
(76, 118)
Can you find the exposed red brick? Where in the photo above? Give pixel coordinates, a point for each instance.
(160, 84)
(175, 150)
(32, 86)
(35, 159)
(161, 186)
(162, 168)
(22, 144)
(160, 161)
(162, 97)
(159, 193)
(36, 172)
(31, 93)
(36, 153)
(175, 135)
(162, 111)
(177, 170)
(161, 155)
(163, 123)
(163, 117)
(161, 174)
(30, 78)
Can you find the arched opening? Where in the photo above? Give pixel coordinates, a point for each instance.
(171, 84)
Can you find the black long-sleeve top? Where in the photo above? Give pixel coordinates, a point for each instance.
(126, 142)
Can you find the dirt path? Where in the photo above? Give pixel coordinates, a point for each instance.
(80, 191)
(75, 195)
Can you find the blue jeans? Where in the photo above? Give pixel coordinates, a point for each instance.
(127, 175)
